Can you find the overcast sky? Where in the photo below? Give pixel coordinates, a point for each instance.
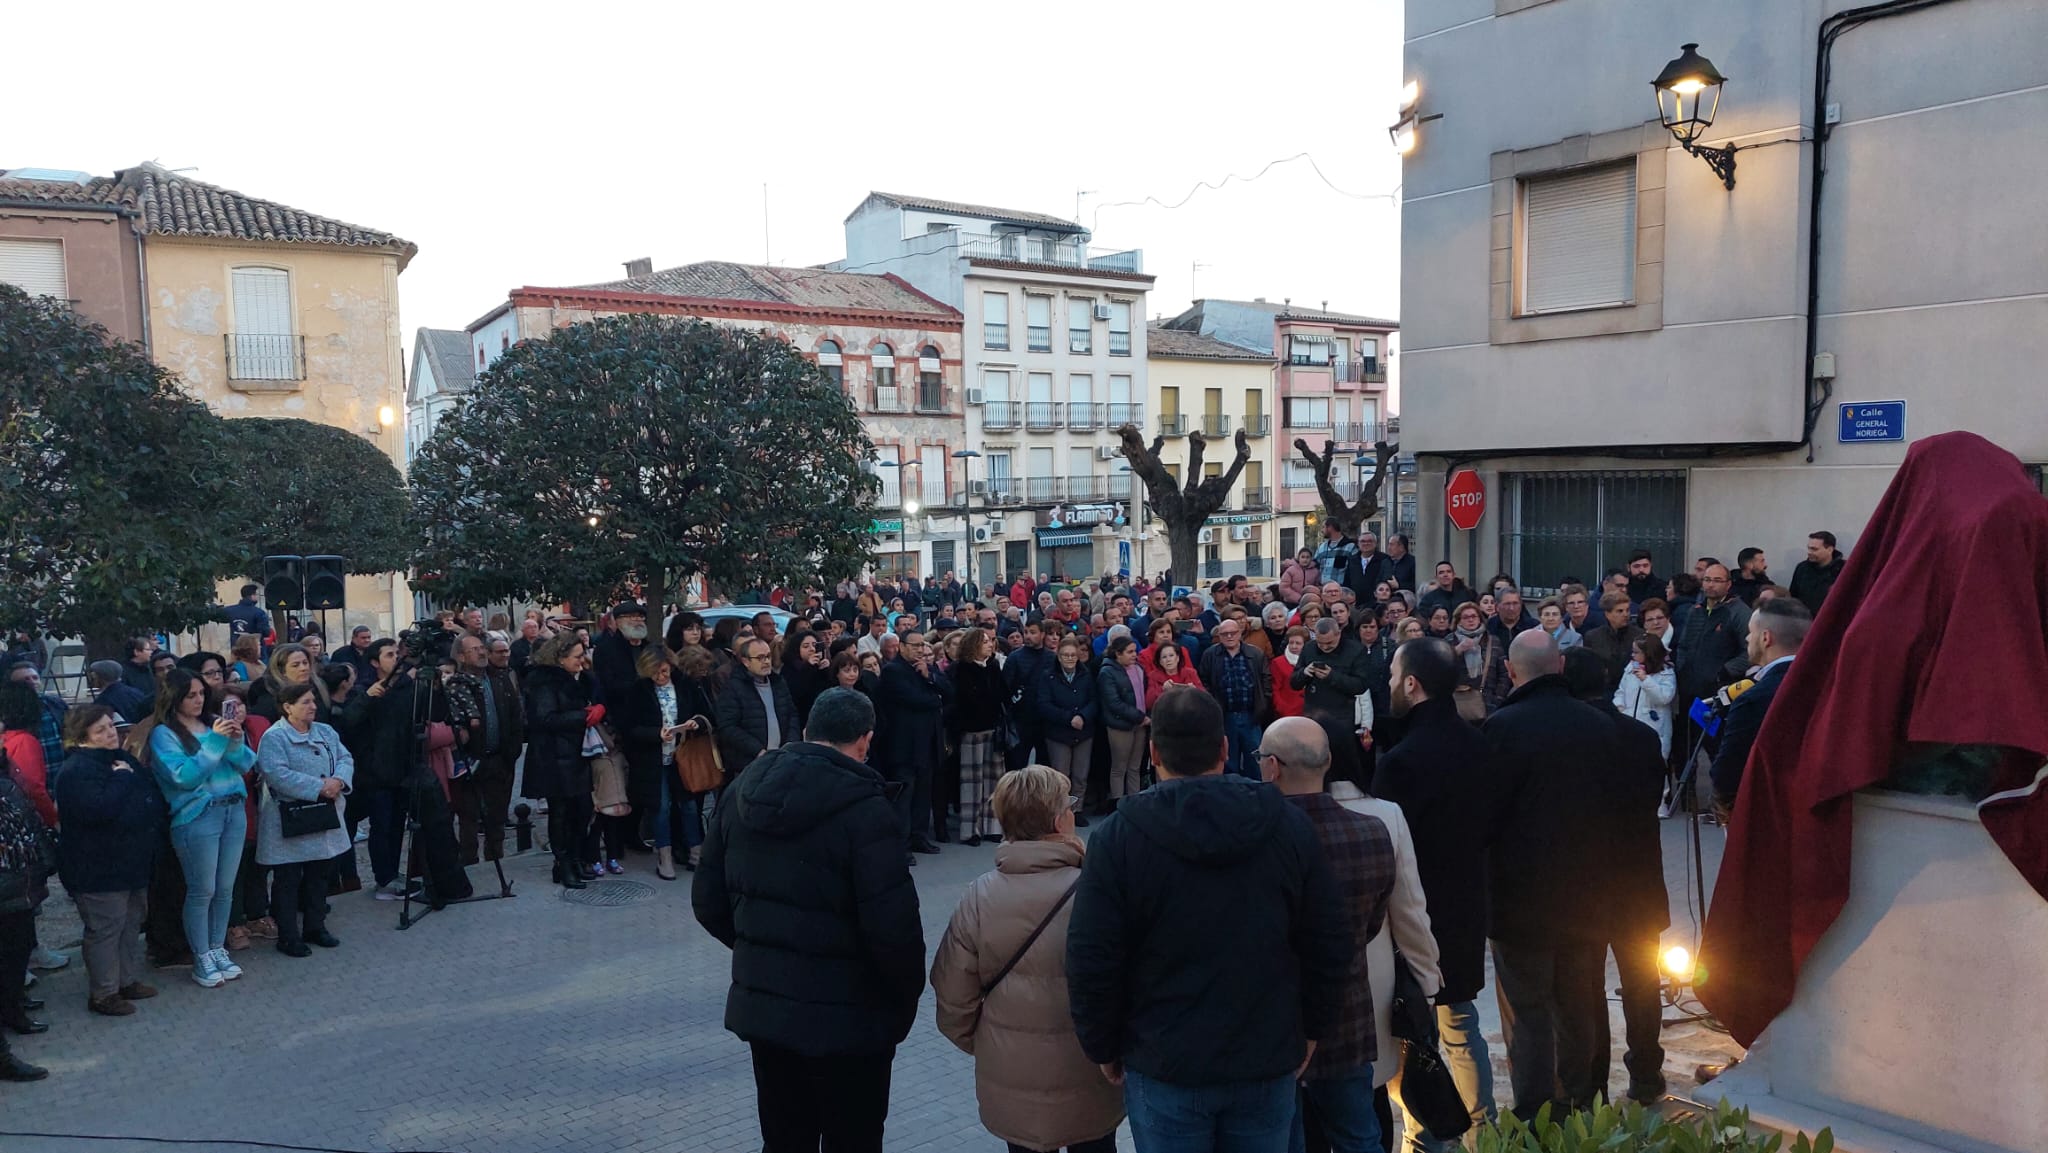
(546, 144)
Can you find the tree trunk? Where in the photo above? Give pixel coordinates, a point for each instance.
(1184, 555)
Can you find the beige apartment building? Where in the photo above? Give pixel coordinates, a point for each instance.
(1201, 383)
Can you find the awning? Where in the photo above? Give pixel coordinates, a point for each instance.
(1062, 538)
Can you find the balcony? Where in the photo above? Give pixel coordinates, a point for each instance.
(1173, 426)
(265, 356)
(931, 396)
(1368, 371)
(1004, 490)
(1044, 489)
(995, 337)
(1122, 414)
(1001, 414)
(1258, 497)
(889, 399)
(1214, 424)
(1081, 341)
(1304, 419)
(1119, 343)
(1038, 338)
(1258, 425)
(1084, 417)
(1360, 433)
(1084, 488)
(1065, 252)
(1042, 415)
(1119, 487)
(1251, 566)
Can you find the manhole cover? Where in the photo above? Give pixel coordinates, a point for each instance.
(609, 893)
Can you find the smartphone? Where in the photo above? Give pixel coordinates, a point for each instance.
(232, 710)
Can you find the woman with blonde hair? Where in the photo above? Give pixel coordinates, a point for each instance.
(1000, 980)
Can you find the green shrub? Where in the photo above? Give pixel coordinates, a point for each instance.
(1630, 1128)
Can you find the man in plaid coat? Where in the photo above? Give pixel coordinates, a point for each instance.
(1336, 1089)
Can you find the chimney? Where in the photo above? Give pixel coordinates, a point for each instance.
(644, 266)
(1258, 300)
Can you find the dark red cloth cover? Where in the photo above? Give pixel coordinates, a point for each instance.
(1936, 633)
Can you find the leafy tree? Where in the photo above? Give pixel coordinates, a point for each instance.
(312, 489)
(1182, 507)
(109, 495)
(1349, 516)
(644, 448)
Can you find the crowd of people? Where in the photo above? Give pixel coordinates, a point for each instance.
(1297, 781)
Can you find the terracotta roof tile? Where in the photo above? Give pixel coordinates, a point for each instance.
(1175, 343)
(803, 287)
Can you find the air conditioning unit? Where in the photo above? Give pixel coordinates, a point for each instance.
(994, 526)
(1108, 451)
(1240, 532)
(975, 396)
(931, 524)
(1101, 311)
(1206, 536)
(977, 488)
(983, 534)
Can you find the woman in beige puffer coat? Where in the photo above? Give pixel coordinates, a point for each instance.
(1036, 1088)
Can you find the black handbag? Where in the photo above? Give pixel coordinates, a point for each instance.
(1428, 1093)
(304, 818)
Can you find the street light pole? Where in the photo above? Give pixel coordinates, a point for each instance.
(967, 513)
(906, 505)
(1138, 532)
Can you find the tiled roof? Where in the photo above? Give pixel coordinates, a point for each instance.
(1284, 311)
(801, 287)
(1178, 344)
(454, 369)
(980, 211)
(172, 205)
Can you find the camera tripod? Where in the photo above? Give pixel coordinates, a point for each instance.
(424, 797)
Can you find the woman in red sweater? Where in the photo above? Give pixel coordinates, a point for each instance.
(1287, 700)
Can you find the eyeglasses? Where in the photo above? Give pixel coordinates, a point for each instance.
(1261, 754)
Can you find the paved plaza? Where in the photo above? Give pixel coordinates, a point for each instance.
(500, 1027)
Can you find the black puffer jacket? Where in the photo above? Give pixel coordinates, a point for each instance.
(554, 734)
(1333, 696)
(113, 819)
(389, 731)
(803, 876)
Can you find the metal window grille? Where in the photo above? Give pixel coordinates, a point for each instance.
(1556, 525)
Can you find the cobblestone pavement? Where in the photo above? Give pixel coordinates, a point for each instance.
(505, 1026)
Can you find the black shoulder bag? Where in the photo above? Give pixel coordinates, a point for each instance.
(1032, 939)
(1427, 1089)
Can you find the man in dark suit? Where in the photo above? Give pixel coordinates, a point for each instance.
(1440, 774)
(912, 701)
(1553, 773)
(1776, 630)
(1635, 889)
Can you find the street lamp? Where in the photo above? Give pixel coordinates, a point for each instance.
(967, 510)
(1137, 526)
(1688, 95)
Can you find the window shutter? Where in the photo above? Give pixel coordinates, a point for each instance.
(263, 302)
(1579, 240)
(35, 266)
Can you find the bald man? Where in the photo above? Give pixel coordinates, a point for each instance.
(1554, 831)
(1337, 1085)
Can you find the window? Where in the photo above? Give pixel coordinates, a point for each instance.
(995, 386)
(1289, 537)
(1299, 474)
(1040, 485)
(931, 380)
(886, 458)
(1580, 524)
(1308, 412)
(932, 474)
(1578, 240)
(1308, 350)
(36, 266)
(479, 358)
(882, 371)
(1120, 328)
(263, 345)
(1080, 325)
(1038, 323)
(1081, 401)
(504, 342)
(1122, 410)
(999, 482)
(1080, 464)
(995, 321)
(829, 360)
(1255, 484)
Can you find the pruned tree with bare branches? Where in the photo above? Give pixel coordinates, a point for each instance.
(1349, 516)
(1181, 506)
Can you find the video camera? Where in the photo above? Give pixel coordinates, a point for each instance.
(425, 645)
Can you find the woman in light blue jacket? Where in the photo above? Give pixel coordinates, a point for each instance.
(198, 760)
(302, 760)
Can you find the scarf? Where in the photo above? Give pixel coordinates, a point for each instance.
(1475, 658)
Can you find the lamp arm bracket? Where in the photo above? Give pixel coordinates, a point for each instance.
(1721, 160)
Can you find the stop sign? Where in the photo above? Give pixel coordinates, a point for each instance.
(1465, 499)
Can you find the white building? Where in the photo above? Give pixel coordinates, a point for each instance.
(440, 377)
(1054, 352)
(1632, 354)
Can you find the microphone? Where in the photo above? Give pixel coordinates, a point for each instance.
(1708, 712)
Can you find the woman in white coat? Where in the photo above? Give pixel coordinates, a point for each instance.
(1406, 927)
(1647, 688)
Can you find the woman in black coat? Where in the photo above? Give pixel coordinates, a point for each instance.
(558, 709)
(113, 816)
(1068, 708)
(804, 669)
(979, 705)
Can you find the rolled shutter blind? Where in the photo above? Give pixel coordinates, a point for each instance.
(1579, 239)
(34, 265)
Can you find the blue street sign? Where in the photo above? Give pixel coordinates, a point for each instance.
(1873, 421)
(1123, 559)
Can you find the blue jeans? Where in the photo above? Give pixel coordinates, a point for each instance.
(209, 848)
(1245, 734)
(1464, 1050)
(1343, 1110)
(1240, 1117)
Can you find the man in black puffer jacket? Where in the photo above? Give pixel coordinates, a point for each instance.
(803, 876)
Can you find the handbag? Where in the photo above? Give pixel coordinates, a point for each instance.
(1032, 939)
(607, 775)
(698, 761)
(1471, 704)
(304, 818)
(1428, 1092)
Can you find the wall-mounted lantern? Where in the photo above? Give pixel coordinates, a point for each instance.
(1688, 96)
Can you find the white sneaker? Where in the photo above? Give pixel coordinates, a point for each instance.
(47, 959)
(224, 965)
(204, 974)
(396, 891)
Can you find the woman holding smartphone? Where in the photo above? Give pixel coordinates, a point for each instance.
(198, 760)
(303, 760)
